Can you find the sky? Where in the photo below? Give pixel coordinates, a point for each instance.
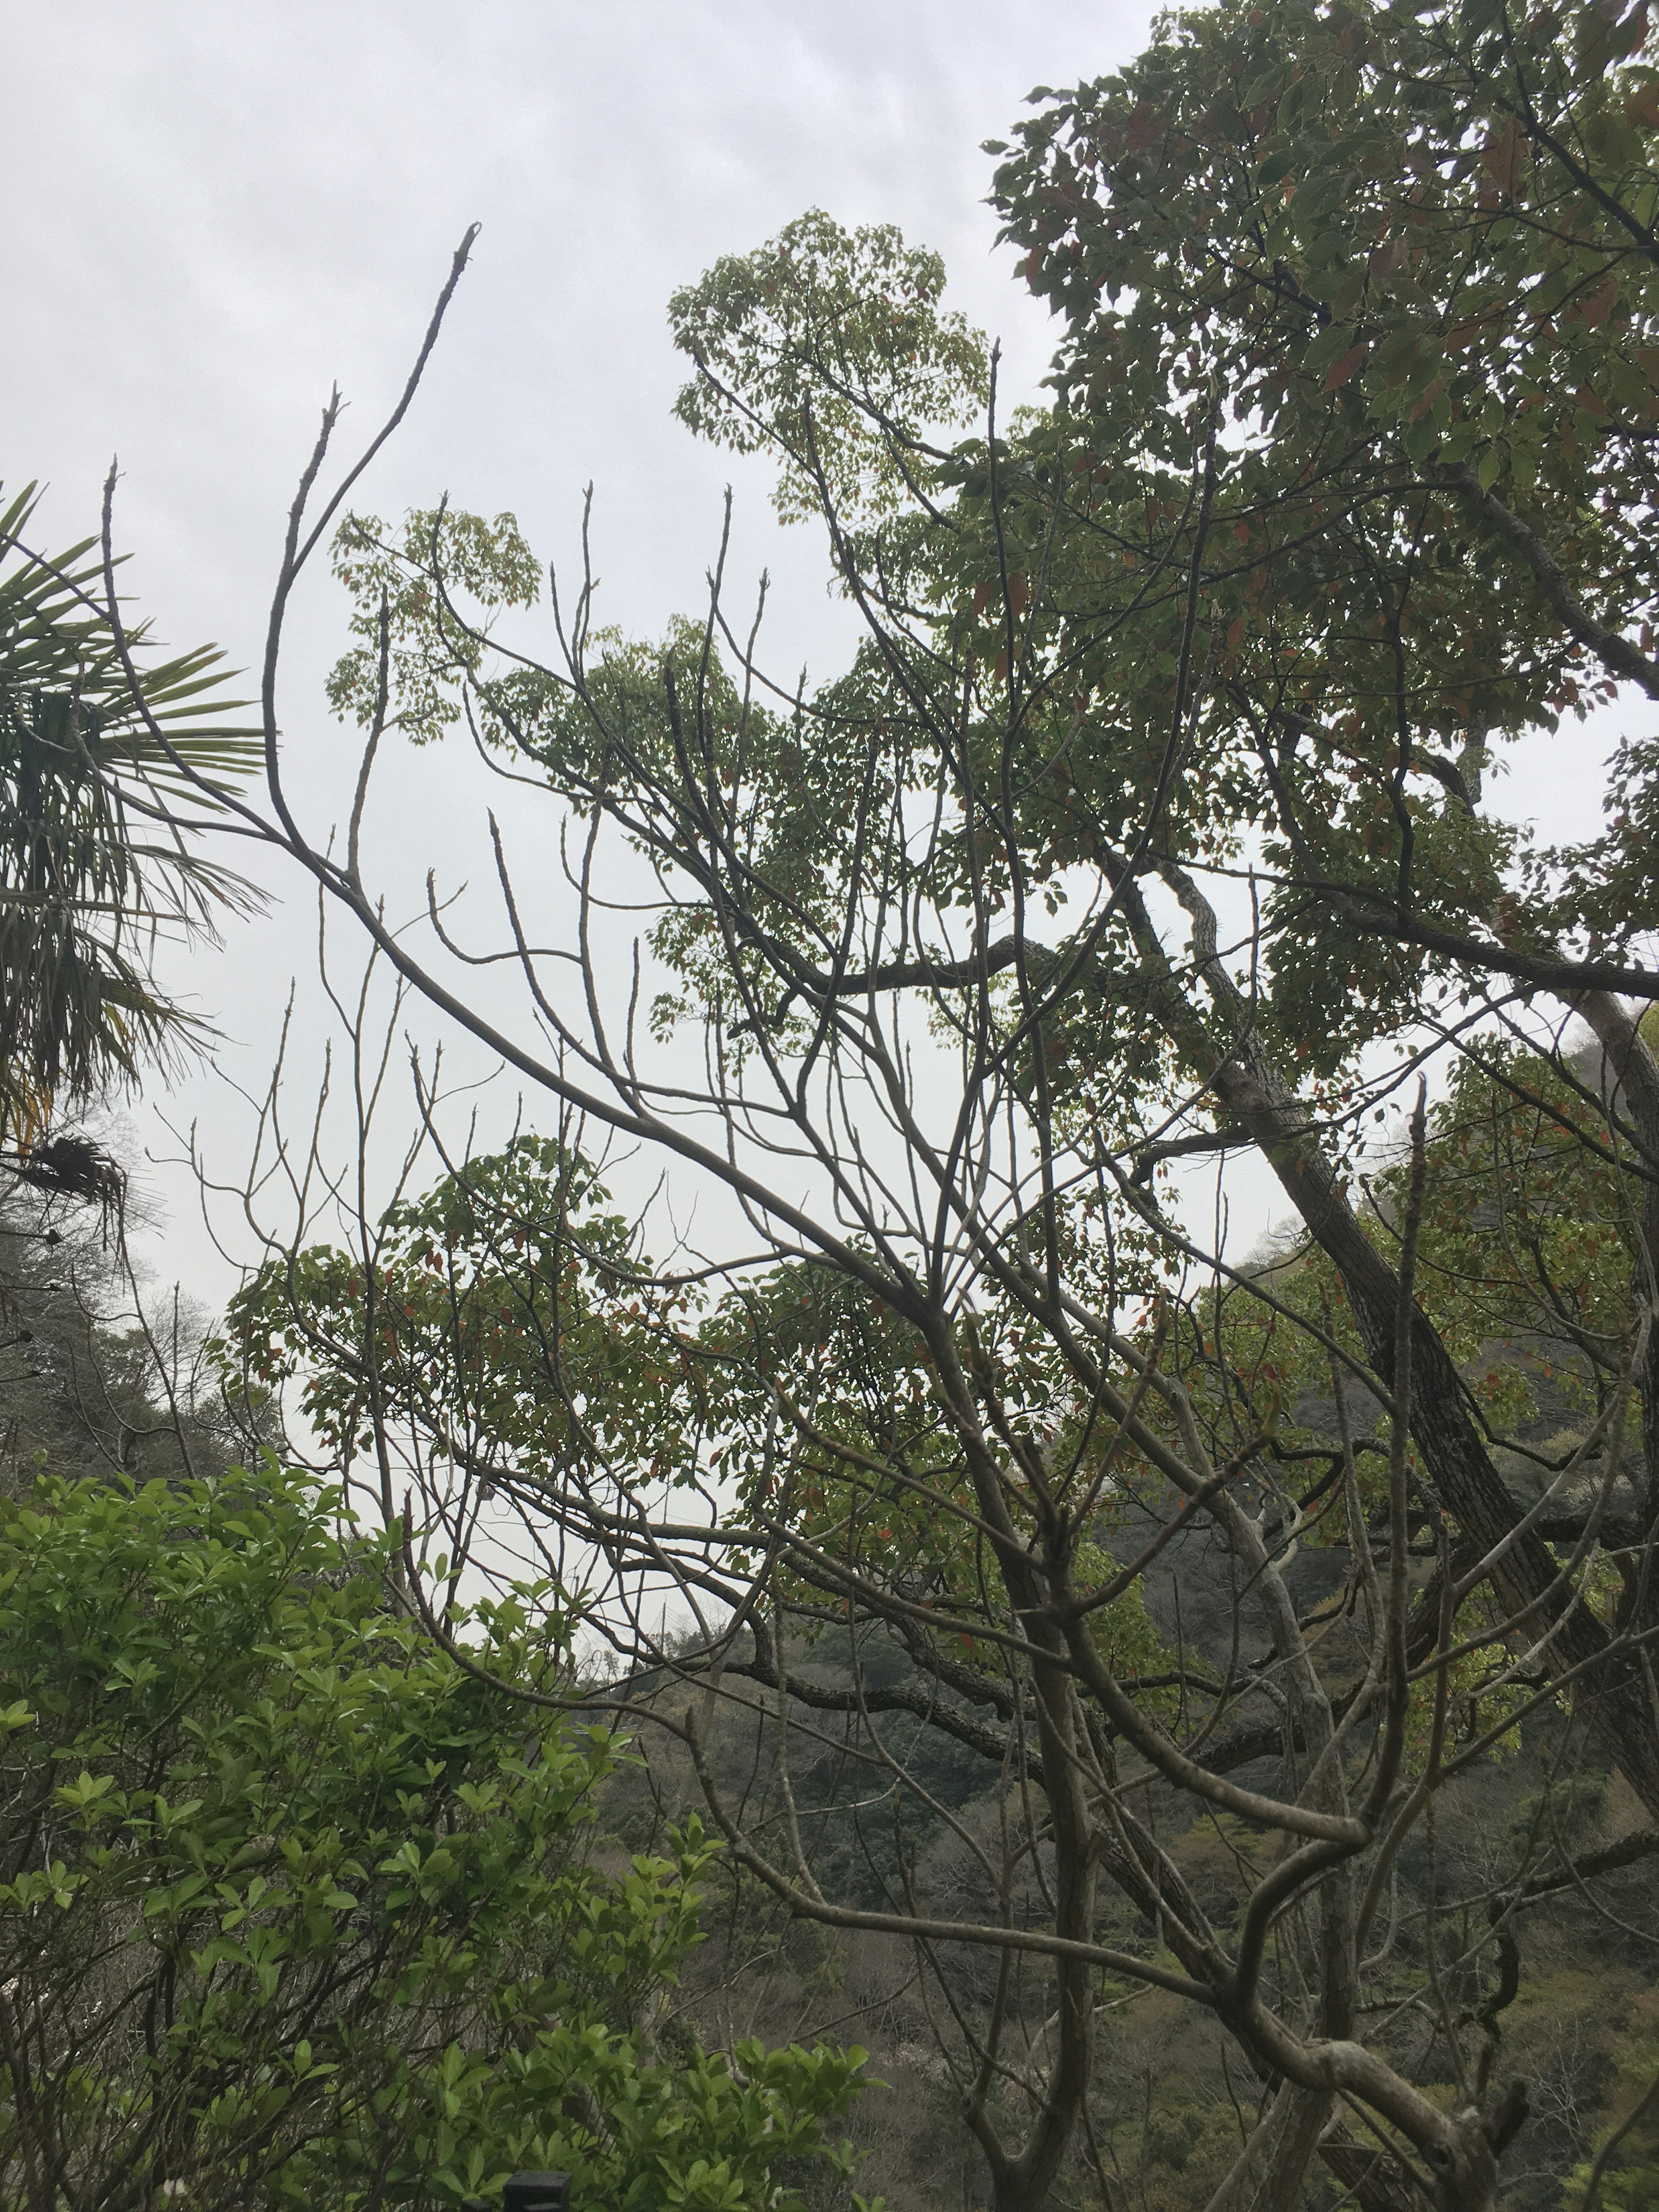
(215, 214)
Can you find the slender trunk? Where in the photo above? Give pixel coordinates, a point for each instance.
(1022, 2183)
(1612, 1692)
(1268, 2174)
(1632, 1068)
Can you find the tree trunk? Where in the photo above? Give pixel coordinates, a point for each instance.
(1611, 1693)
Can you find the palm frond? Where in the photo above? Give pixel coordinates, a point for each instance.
(100, 825)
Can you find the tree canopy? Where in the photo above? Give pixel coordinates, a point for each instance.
(1149, 824)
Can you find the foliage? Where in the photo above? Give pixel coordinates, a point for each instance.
(506, 1329)
(405, 612)
(296, 1911)
(1340, 290)
(101, 789)
(506, 1314)
(1406, 252)
(832, 344)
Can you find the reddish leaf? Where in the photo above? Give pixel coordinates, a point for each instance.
(1428, 399)
(1505, 158)
(1600, 304)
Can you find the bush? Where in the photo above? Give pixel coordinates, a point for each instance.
(294, 1909)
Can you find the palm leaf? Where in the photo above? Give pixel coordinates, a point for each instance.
(100, 825)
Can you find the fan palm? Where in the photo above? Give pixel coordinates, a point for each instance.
(98, 860)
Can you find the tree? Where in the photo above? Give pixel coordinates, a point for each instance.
(108, 769)
(950, 933)
(294, 1909)
(1410, 254)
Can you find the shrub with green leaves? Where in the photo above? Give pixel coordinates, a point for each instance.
(294, 1909)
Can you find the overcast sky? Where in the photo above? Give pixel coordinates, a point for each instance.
(213, 212)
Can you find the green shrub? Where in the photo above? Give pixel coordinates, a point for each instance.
(296, 1911)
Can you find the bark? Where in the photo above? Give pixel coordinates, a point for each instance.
(1615, 653)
